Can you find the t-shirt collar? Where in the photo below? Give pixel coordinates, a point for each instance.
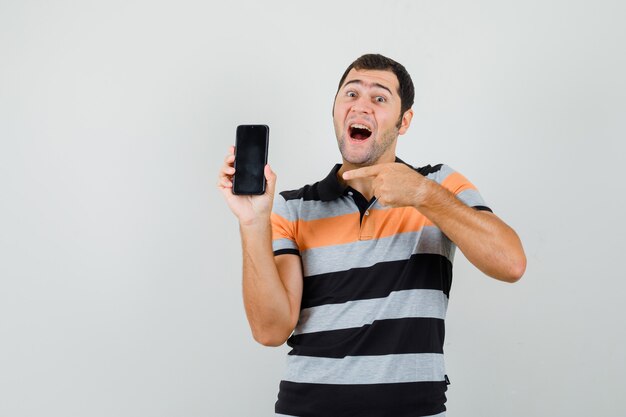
(330, 188)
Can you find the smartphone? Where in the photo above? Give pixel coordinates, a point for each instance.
(251, 146)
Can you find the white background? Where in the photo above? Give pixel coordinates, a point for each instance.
(120, 288)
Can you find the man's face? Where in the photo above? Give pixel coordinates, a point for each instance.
(366, 115)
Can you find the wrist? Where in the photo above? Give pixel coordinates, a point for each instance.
(423, 194)
(437, 200)
(258, 224)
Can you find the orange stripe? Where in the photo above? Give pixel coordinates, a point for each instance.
(346, 228)
(456, 183)
(281, 227)
(397, 220)
(328, 231)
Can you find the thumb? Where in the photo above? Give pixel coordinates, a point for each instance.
(270, 176)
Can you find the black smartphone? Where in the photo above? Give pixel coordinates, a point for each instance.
(251, 146)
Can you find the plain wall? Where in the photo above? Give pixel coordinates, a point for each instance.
(120, 287)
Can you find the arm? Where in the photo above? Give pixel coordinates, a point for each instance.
(272, 287)
(486, 241)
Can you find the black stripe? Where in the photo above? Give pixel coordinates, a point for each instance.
(327, 189)
(429, 169)
(425, 170)
(410, 399)
(308, 192)
(482, 208)
(330, 188)
(394, 336)
(420, 271)
(286, 251)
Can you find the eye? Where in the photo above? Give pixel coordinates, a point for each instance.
(351, 94)
(380, 99)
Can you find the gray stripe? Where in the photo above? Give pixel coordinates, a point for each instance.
(399, 304)
(383, 369)
(279, 244)
(312, 210)
(471, 198)
(280, 207)
(440, 175)
(365, 253)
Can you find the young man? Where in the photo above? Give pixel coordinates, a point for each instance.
(354, 271)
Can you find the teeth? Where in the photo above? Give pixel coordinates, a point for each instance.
(360, 126)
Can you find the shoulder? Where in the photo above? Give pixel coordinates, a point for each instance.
(436, 172)
(308, 192)
(289, 203)
(327, 189)
(446, 176)
(456, 183)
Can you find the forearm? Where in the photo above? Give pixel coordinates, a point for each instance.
(265, 297)
(485, 240)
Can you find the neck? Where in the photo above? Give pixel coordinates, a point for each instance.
(362, 185)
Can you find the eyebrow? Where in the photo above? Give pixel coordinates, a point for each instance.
(362, 83)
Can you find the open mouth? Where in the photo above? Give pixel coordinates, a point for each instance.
(359, 132)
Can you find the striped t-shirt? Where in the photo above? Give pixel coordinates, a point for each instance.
(369, 340)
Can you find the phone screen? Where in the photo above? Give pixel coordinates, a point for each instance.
(250, 158)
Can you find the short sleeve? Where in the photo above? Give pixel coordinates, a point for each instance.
(460, 186)
(283, 228)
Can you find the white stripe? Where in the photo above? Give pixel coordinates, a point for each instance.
(365, 253)
(399, 304)
(383, 369)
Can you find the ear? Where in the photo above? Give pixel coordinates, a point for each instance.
(406, 121)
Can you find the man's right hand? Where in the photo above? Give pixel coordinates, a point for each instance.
(249, 209)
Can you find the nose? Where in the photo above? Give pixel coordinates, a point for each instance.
(361, 106)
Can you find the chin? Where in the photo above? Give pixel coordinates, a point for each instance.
(358, 160)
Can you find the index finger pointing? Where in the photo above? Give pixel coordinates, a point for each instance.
(361, 173)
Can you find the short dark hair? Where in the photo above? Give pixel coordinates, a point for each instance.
(380, 62)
